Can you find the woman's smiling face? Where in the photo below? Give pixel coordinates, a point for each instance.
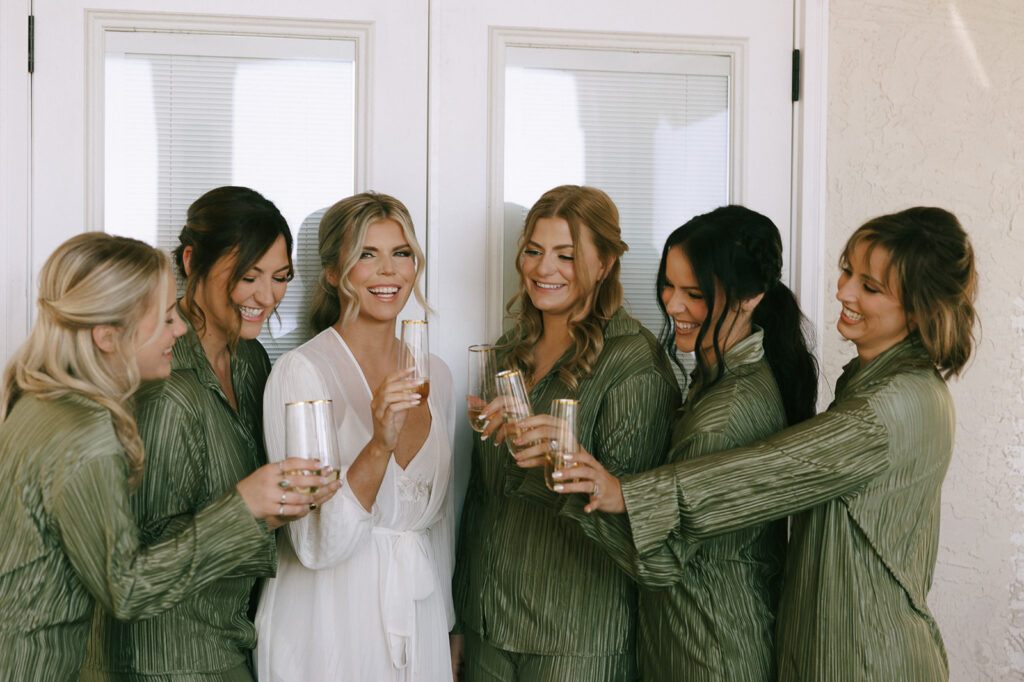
(872, 315)
(252, 300)
(549, 266)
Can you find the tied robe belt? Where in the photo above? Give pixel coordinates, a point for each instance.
(408, 577)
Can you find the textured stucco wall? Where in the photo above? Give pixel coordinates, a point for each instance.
(926, 106)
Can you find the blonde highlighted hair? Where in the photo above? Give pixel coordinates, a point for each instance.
(583, 208)
(341, 236)
(936, 283)
(91, 279)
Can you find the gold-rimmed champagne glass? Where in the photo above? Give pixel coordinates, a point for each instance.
(480, 387)
(309, 434)
(416, 353)
(563, 410)
(516, 406)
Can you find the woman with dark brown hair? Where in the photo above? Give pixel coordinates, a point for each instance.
(862, 480)
(203, 431)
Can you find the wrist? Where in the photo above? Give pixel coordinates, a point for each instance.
(380, 450)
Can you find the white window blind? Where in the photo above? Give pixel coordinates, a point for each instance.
(650, 129)
(185, 113)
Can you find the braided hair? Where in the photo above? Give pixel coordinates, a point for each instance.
(736, 254)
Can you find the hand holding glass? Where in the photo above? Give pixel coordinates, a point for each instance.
(563, 411)
(415, 353)
(516, 406)
(480, 388)
(309, 434)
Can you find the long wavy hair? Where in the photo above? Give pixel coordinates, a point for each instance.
(583, 208)
(223, 222)
(91, 279)
(341, 236)
(737, 253)
(933, 262)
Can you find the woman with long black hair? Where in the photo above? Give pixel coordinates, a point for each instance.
(862, 480)
(707, 609)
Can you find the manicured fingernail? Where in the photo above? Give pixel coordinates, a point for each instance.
(559, 488)
(556, 474)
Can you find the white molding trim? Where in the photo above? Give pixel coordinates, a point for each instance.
(98, 22)
(16, 285)
(502, 38)
(810, 116)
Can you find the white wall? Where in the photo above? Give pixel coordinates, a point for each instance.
(926, 106)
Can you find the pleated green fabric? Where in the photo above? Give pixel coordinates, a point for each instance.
(197, 447)
(529, 582)
(863, 481)
(707, 609)
(70, 539)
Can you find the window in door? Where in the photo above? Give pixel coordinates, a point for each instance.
(652, 129)
(188, 112)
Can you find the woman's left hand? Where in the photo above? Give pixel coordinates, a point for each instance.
(590, 478)
(541, 430)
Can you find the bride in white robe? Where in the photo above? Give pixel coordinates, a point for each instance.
(363, 586)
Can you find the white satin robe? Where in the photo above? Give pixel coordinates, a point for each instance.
(361, 595)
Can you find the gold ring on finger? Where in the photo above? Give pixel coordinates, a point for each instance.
(284, 483)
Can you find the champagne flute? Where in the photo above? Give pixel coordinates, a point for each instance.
(309, 434)
(480, 389)
(516, 406)
(415, 353)
(565, 443)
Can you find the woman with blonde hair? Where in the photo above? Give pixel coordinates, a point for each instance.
(203, 433)
(537, 600)
(862, 480)
(70, 454)
(363, 590)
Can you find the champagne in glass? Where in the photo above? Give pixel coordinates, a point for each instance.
(415, 353)
(480, 388)
(565, 442)
(516, 406)
(309, 434)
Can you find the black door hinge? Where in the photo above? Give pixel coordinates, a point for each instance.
(31, 43)
(796, 76)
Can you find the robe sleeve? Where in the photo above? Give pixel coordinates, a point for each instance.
(442, 533)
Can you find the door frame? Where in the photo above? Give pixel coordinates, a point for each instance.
(808, 168)
(15, 171)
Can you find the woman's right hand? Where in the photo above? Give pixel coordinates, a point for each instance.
(390, 406)
(493, 413)
(269, 493)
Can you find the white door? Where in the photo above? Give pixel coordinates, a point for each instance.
(446, 86)
(479, 98)
(114, 149)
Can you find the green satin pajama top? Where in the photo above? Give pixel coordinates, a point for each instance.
(528, 581)
(863, 482)
(197, 446)
(707, 609)
(70, 541)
